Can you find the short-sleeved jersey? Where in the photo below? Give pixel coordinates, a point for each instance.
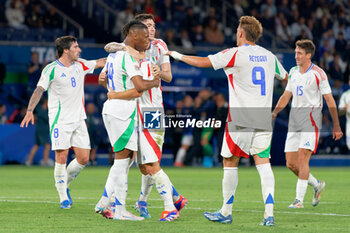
(153, 96)
(121, 69)
(345, 99)
(307, 90)
(156, 52)
(156, 55)
(250, 71)
(65, 88)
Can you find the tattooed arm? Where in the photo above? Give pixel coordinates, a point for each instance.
(34, 100)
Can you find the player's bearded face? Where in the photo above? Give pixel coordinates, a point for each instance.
(74, 51)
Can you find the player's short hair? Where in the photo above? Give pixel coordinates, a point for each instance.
(252, 28)
(64, 42)
(134, 24)
(143, 17)
(307, 45)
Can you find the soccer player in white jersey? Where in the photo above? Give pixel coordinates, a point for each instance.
(344, 108)
(151, 142)
(307, 84)
(63, 79)
(250, 70)
(119, 116)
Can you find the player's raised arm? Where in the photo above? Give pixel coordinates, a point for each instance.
(100, 63)
(282, 103)
(34, 100)
(201, 62)
(337, 133)
(113, 47)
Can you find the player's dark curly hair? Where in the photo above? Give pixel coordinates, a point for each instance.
(64, 42)
(134, 24)
(307, 45)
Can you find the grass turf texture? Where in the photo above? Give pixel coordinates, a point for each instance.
(29, 202)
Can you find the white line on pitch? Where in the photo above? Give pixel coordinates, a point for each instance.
(158, 199)
(197, 208)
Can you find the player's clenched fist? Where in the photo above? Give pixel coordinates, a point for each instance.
(155, 70)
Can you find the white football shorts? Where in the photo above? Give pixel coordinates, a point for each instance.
(187, 139)
(244, 141)
(305, 140)
(64, 136)
(150, 146)
(122, 134)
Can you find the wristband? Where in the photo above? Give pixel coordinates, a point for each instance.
(176, 55)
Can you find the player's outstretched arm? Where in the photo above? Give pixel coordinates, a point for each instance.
(34, 100)
(201, 62)
(143, 85)
(124, 95)
(100, 63)
(332, 107)
(113, 47)
(282, 103)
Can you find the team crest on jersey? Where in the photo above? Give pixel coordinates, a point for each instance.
(152, 119)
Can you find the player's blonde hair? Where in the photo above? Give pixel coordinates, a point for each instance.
(307, 45)
(251, 27)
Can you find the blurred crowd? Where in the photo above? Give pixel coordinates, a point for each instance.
(26, 14)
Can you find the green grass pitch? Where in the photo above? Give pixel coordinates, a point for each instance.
(29, 202)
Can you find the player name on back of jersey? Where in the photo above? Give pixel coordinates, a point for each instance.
(257, 58)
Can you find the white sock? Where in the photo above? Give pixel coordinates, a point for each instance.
(267, 187)
(110, 185)
(121, 182)
(73, 170)
(312, 181)
(229, 185)
(301, 189)
(164, 189)
(146, 187)
(180, 155)
(60, 174)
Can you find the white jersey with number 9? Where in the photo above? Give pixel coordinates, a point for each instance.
(250, 71)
